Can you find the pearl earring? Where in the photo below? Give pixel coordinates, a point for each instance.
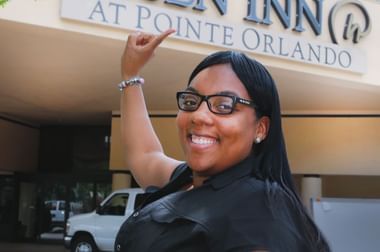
(258, 140)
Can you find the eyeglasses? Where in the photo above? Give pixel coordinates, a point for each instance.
(220, 104)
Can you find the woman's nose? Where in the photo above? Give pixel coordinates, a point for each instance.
(202, 115)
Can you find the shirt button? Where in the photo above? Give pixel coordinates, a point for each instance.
(118, 247)
(135, 214)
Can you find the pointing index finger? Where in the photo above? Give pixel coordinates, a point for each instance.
(162, 37)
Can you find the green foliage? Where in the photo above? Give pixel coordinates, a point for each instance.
(3, 2)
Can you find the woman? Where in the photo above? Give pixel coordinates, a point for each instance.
(234, 192)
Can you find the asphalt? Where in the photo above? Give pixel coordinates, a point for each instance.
(31, 247)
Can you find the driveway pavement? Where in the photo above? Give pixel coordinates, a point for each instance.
(31, 247)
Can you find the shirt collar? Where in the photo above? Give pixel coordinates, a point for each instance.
(226, 177)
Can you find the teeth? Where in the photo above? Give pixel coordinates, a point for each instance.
(202, 140)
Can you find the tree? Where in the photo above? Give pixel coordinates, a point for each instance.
(3, 2)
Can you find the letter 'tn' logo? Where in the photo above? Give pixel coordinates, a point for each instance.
(352, 31)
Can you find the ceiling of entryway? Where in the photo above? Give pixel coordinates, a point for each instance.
(54, 77)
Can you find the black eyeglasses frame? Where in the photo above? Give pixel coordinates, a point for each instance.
(235, 100)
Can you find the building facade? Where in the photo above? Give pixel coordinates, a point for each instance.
(59, 102)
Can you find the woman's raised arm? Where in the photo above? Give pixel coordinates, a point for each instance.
(142, 149)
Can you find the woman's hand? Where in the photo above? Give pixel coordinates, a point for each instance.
(139, 49)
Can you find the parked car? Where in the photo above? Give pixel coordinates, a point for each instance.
(57, 210)
(97, 230)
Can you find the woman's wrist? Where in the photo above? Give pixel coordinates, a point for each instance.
(134, 81)
(127, 76)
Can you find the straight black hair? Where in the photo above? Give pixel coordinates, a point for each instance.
(273, 165)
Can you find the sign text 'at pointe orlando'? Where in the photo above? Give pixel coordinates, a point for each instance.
(253, 33)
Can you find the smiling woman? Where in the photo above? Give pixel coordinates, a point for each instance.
(234, 191)
(213, 142)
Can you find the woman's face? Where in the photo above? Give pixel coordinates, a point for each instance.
(214, 142)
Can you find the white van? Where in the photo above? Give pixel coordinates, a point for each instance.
(97, 230)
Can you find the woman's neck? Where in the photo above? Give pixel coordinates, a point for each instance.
(198, 179)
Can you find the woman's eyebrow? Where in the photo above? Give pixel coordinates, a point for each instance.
(226, 92)
(191, 89)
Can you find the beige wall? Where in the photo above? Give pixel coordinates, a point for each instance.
(116, 155)
(120, 181)
(340, 146)
(167, 133)
(336, 148)
(166, 130)
(18, 147)
(326, 146)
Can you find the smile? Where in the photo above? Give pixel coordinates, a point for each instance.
(202, 140)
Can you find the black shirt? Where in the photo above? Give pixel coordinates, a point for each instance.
(232, 211)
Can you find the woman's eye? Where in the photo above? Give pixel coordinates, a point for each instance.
(190, 102)
(224, 106)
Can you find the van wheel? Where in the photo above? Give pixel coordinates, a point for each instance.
(84, 243)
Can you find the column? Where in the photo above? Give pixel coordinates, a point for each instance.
(311, 187)
(121, 181)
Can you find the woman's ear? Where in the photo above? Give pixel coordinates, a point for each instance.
(262, 129)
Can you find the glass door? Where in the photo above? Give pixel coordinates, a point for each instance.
(8, 208)
(50, 210)
(56, 202)
(85, 197)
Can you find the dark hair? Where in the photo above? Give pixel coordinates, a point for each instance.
(273, 165)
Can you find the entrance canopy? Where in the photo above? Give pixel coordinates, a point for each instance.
(60, 60)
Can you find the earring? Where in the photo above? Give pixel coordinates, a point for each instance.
(258, 140)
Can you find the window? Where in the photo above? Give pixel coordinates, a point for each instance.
(116, 205)
(62, 205)
(140, 198)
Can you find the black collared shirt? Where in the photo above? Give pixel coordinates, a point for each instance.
(231, 211)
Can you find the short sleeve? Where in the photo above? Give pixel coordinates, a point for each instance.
(181, 176)
(181, 168)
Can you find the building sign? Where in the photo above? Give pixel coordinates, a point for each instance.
(246, 37)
